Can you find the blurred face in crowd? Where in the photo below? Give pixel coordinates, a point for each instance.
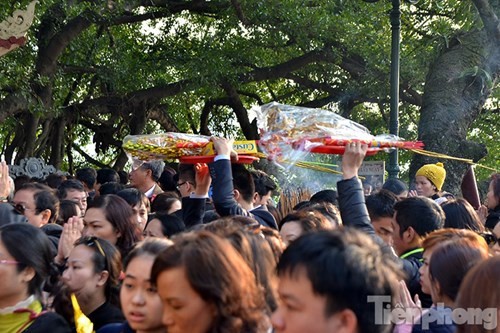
(290, 231)
(491, 200)
(184, 187)
(96, 224)
(301, 309)
(398, 243)
(141, 215)
(14, 284)
(402, 195)
(80, 197)
(424, 187)
(262, 199)
(139, 176)
(79, 275)
(425, 281)
(383, 228)
(176, 205)
(24, 203)
(140, 301)
(153, 229)
(183, 308)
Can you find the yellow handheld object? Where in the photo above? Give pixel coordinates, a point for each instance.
(82, 322)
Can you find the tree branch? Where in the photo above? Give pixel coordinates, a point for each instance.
(241, 112)
(161, 115)
(89, 158)
(489, 18)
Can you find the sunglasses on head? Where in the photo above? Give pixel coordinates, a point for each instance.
(94, 242)
(490, 238)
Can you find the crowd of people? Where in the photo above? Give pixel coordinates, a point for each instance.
(203, 249)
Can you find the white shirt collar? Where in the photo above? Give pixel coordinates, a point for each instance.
(149, 193)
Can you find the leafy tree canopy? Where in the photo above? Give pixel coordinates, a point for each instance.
(93, 72)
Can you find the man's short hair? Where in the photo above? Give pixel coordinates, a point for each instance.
(186, 172)
(395, 185)
(111, 188)
(87, 176)
(327, 195)
(68, 185)
(381, 204)
(107, 175)
(156, 168)
(422, 214)
(55, 179)
(44, 198)
(346, 267)
(243, 182)
(263, 183)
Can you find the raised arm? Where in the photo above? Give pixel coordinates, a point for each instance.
(350, 192)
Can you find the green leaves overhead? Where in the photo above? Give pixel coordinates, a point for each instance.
(137, 67)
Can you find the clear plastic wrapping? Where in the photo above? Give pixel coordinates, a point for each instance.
(289, 132)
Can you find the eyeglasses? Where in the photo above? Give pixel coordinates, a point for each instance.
(9, 262)
(180, 184)
(21, 209)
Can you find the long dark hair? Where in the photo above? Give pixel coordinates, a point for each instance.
(29, 246)
(118, 212)
(106, 258)
(220, 276)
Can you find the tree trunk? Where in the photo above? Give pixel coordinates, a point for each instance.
(456, 89)
(57, 142)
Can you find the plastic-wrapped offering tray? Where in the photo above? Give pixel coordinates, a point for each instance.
(187, 148)
(287, 130)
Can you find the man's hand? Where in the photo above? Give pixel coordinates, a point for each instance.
(203, 179)
(353, 158)
(225, 147)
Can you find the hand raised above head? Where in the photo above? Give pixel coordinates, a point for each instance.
(352, 159)
(5, 186)
(203, 179)
(224, 146)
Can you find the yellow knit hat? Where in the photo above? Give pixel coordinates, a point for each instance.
(435, 173)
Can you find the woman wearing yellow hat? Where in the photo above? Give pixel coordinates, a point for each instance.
(429, 180)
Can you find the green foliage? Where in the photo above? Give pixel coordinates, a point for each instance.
(203, 49)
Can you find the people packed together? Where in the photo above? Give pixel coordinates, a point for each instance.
(205, 248)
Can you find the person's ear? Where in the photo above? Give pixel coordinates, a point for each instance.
(46, 214)
(344, 321)
(409, 235)
(236, 194)
(103, 278)
(256, 197)
(27, 274)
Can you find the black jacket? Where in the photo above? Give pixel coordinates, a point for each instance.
(49, 322)
(355, 214)
(493, 218)
(116, 328)
(224, 203)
